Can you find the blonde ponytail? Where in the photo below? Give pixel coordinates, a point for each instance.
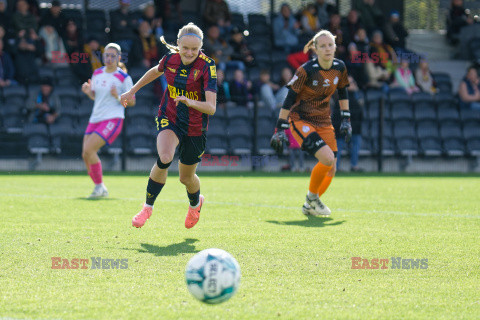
(189, 29)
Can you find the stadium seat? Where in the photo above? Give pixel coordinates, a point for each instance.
(471, 130)
(263, 145)
(427, 129)
(193, 17)
(450, 129)
(68, 96)
(404, 129)
(454, 147)
(46, 72)
(425, 112)
(366, 147)
(407, 146)
(140, 110)
(265, 128)
(366, 133)
(217, 123)
(217, 144)
(431, 146)
(140, 141)
(15, 95)
(387, 129)
(238, 113)
(65, 76)
(256, 18)
(448, 113)
(260, 46)
(397, 92)
(443, 81)
(141, 121)
(473, 147)
(216, 130)
(265, 114)
(468, 115)
(240, 145)
(38, 138)
(401, 108)
(388, 146)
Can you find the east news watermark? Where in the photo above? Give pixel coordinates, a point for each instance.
(93, 263)
(81, 57)
(392, 263)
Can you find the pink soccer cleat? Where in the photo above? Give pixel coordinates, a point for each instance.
(139, 220)
(194, 214)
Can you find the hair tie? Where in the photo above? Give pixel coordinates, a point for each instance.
(191, 34)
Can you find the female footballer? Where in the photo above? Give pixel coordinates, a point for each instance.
(106, 120)
(182, 118)
(307, 106)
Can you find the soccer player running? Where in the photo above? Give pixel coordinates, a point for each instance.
(106, 120)
(182, 118)
(307, 106)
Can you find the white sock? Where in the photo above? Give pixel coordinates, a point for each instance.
(312, 196)
(147, 205)
(196, 206)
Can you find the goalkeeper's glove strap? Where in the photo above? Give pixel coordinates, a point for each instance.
(282, 124)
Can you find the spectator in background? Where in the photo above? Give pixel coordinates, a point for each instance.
(240, 89)
(469, 90)
(154, 22)
(286, 30)
(220, 51)
(52, 42)
(361, 41)
(223, 90)
(386, 56)
(72, 38)
(324, 10)
(267, 89)
(147, 45)
(23, 19)
(355, 66)
(8, 43)
(4, 16)
(310, 22)
(404, 78)
(217, 13)
(7, 70)
(395, 32)
(123, 24)
(241, 52)
(457, 18)
(372, 16)
(424, 78)
(296, 59)
(55, 17)
(27, 48)
(45, 105)
(351, 26)
(281, 94)
(94, 51)
(356, 119)
(294, 152)
(334, 27)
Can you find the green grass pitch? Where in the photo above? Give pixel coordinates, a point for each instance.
(293, 267)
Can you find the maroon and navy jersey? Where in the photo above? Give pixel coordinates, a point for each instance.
(190, 81)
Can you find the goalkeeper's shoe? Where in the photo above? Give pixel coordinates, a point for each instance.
(315, 208)
(100, 191)
(139, 220)
(193, 214)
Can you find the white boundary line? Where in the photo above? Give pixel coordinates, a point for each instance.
(222, 203)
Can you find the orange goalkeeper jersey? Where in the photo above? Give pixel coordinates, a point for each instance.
(314, 87)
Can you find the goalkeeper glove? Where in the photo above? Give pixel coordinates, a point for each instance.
(280, 137)
(345, 126)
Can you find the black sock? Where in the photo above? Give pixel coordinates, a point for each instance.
(194, 198)
(153, 189)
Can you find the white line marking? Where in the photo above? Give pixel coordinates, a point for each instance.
(262, 205)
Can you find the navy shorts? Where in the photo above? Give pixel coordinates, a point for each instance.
(190, 149)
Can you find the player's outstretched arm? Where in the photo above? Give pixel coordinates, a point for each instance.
(209, 106)
(148, 77)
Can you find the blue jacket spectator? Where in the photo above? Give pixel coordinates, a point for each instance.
(286, 30)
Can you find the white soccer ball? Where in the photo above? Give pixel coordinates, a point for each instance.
(212, 276)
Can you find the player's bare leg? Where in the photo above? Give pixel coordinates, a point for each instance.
(192, 183)
(167, 141)
(326, 162)
(91, 144)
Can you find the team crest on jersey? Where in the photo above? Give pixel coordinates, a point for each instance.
(213, 71)
(326, 83)
(195, 74)
(335, 81)
(183, 73)
(315, 82)
(305, 129)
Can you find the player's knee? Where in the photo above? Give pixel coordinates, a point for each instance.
(86, 153)
(164, 161)
(326, 156)
(165, 158)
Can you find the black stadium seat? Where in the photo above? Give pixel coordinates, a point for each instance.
(431, 146)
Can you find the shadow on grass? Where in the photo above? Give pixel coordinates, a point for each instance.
(310, 222)
(174, 249)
